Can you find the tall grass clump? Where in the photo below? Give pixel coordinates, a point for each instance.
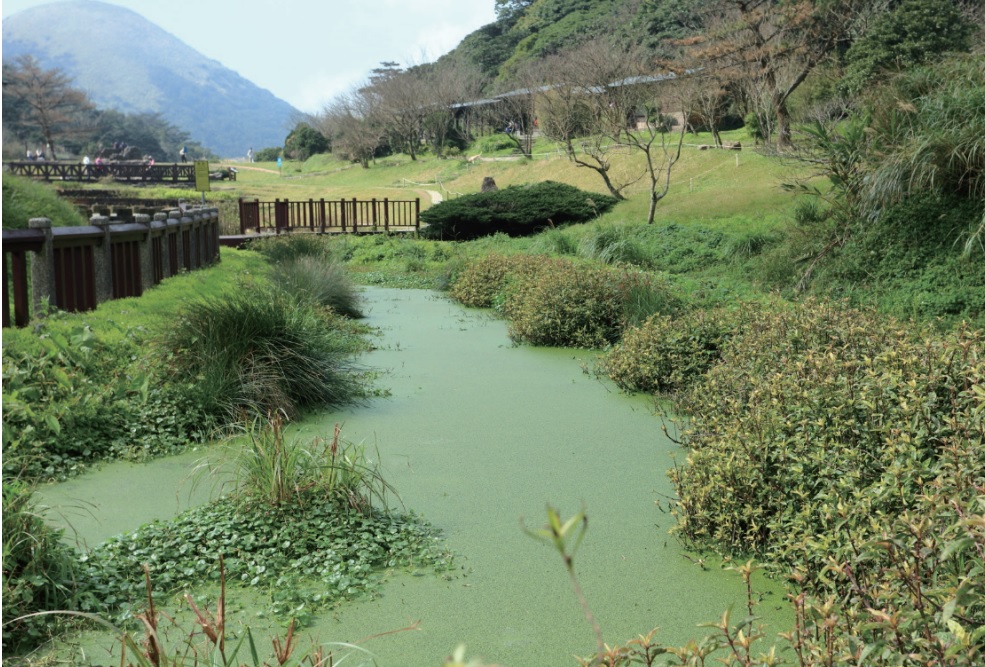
(286, 247)
(612, 244)
(39, 571)
(24, 199)
(321, 281)
(556, 241)
(261, 350)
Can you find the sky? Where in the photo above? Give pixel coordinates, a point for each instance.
(307, 52)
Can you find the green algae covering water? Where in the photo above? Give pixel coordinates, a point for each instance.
(479, 436)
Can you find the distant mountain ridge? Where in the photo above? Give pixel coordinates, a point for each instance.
(125, 62)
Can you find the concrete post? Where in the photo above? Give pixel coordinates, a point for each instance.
(146, 254)
(160, 223)
(174, 226)
(187, 225)
(42, 269)
(103, 260)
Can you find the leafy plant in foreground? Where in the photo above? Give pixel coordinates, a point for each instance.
(38, 569)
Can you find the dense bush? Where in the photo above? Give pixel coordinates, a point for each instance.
(668, 353)
(518, 210)
(262, 350)
(482, 283)
(849, 449)
(38, 569)
(269, 154)
(555, 301)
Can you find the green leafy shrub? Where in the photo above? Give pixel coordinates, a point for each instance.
(482, 283)
(568, 306)
(321, 281)
(910, 262)
(843, 447)
(38, 569)
(261, 350)
(492, 143)
(669, 353)
(518, 210)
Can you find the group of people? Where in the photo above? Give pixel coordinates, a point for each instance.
(37, 155)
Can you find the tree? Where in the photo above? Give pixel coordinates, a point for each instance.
(904, 38)
(575, 102)
(305, 141)
(772, 46)
(350, 123)
(44, 105)
(400, 101)
(448, 84)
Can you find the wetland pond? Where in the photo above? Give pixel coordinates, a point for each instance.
(476, 436)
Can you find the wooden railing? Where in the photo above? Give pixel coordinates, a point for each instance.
(329, 217)
(76, 268)
(121, 171)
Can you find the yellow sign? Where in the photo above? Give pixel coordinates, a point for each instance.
(202, 176)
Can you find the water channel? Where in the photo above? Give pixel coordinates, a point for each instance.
(476, 435)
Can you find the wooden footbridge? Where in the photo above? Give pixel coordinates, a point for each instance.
(323, 216)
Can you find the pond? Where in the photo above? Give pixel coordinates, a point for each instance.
(478, 436)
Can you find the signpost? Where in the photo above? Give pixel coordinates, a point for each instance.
(202, 176)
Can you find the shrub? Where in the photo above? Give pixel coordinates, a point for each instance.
(567, 306)
(38, 569)
(70, 400)
(482, 283)
(493, 143)
(669, 353)
(269, 154)
(909, 262)
(319, 281)
(262, 351)
(845, 448)
(516, 210)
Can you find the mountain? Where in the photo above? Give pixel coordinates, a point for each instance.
(125, 62)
